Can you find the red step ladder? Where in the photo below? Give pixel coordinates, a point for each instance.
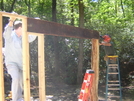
(86, 86)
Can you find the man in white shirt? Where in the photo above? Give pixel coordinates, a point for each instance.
(13, 56)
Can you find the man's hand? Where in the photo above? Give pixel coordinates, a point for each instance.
(100, 43)
(12, 19)
(105, 44)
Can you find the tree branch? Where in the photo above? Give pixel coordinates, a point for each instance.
(12, 5)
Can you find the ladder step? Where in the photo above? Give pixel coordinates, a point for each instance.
(112, 56)
(113, 96)
(113, 73)
(113, 65)
(113, 88)
(115, 81)
(113, 84)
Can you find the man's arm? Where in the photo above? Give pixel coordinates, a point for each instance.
(105, 44)
(31, 38)
(9, 28)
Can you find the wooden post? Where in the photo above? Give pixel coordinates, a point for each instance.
(26, 69)
(2, 96)
(95, 67)
(41, 67)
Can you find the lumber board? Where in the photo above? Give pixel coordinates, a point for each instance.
(1, 65)
(95, 68)
(26, 57)
(41, 67)
(57, 29)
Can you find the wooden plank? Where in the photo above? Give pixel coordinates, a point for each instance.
(113, 84)
(95, 68)
(32, 33)
(41, 68)
(115, 81)
(113, 96)
(26, 69)
(113, 65)
(57, 29)
(113, 88)
(113, 73)
(12, 15)
(2, 96)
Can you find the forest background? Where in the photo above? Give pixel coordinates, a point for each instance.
(68, 58)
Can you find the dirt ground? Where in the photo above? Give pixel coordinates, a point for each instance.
(57, 90)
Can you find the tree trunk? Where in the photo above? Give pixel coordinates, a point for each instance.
(2, 5)
(55, 41)
(80, 57)
(54, 11)
(12, 5)
(72, 13)
(28, 3)
(122, 7)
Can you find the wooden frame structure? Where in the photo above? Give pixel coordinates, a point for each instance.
(41, 28)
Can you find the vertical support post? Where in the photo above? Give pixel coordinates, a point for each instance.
(2, 96)
(26, 69)
(41, 67)
(95, 68)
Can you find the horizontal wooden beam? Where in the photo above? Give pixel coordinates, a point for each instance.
(57, 29)
(6, 14)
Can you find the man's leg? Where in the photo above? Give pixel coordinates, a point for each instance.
(16, 80)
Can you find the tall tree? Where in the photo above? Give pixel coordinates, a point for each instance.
(2, 5)
(122, 7)
(55, 41)
(12, 6)
(54, 11)
(72, 12)
(80, 57)
(28, 3)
